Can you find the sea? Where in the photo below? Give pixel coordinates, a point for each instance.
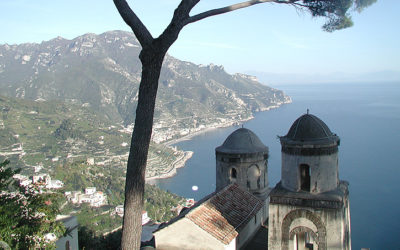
(366, 116)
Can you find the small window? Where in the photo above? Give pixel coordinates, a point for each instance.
(67, 245)
(265, 179)
(305, 177)
(233, 173)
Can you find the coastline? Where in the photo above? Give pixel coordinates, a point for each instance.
(180, 162)
(222, 125)
(204, 130)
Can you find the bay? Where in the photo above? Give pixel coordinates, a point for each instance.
(366, 116)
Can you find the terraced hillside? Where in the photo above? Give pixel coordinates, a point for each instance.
(50, 133)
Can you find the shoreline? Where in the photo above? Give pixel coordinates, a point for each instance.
(223, 125)
(179, 163)
(205, 130)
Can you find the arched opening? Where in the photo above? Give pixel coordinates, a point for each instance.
(67, 247)
(305, 177)
(265, 174)
(303, 238)
(233, 173)
(316, 236)
(253, 177)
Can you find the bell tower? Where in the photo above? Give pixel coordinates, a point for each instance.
(243, 159)
(309, 207)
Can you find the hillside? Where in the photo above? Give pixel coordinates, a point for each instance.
(52, 133)
(103, 72)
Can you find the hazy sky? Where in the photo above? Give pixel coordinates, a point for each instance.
(266, 37)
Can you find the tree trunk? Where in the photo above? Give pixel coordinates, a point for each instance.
(135, 176)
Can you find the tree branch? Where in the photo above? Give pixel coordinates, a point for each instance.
(179, 20)
(130, 18)
(226, 9)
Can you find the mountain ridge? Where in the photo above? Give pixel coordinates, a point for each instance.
(103, 72)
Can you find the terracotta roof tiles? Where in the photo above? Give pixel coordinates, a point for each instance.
(226, 212)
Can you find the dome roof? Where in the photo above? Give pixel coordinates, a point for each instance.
(242, 141)
(309, 128)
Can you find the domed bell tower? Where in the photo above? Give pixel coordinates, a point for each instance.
(310, 156)
(309, 208)
(243, 159)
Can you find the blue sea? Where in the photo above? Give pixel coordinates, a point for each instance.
(366, 116)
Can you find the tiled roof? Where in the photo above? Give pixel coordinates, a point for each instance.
(226, 212)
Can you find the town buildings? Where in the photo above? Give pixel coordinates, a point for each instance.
(40, 180)
(91, 196)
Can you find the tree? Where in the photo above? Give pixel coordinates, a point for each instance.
(337, 13)
(26, 216)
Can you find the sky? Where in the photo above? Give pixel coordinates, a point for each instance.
(269, 40)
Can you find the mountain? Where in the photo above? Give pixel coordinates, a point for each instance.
(102, 72)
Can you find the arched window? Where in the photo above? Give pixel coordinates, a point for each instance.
(253, 177)
(67, 245)
(305, 177)
(233, 173)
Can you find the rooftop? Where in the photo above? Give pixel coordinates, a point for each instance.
(226, 212)
(223, 214)
(309, 129)
(242, 141)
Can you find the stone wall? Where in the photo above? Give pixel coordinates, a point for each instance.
(323, 172)
(251, 172)
(177, 235)
(329, 227)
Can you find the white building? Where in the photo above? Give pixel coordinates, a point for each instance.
(90, 190)
(55, 184)
(91, 196)
(90, 161)
(41, 179)
(119, 210)
(46, 181)
(145, 218)
(22, 179)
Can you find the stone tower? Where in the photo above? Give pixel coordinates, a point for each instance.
(309, 207)
(243, 159)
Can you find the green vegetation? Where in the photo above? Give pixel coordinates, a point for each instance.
(159, 203)
(66, 130)
(98, 220)
(88, 240)
(26, 216)
(61, 137)
(79, 175)
(50, 133)
(76, 176)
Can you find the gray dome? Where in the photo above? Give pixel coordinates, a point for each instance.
(309, 128)
(242, 141)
